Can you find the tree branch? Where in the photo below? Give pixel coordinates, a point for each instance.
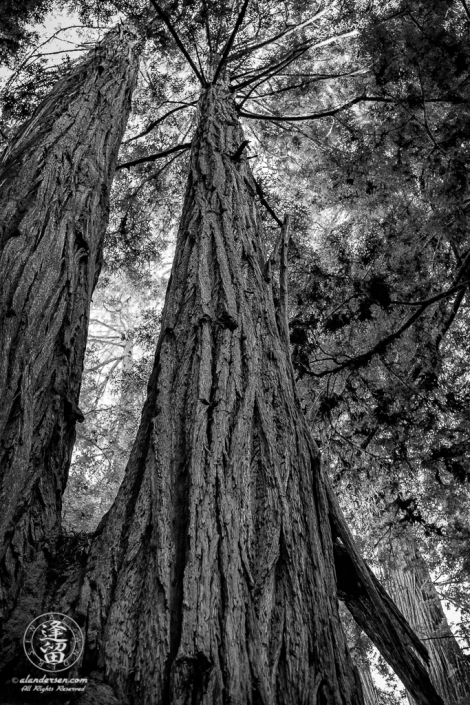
(261, 196)
(385, 342)
(230, 41)
(285, 33)
(178, 41)
(283, 287)
(102, 364)
(154, 157)
(273, 68)
(159, 120)
(297, 118)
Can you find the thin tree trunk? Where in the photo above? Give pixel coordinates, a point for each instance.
(55, 180)
(409, 582)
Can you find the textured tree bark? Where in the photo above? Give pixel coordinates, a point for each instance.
(409, 582)
(368, 688)
(377, 615)
(212, 579)
(54, 191)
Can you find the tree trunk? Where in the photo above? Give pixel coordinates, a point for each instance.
(368, 688)
(409, 582)
(55, 180)
(212, 579)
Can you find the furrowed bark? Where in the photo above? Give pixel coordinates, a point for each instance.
(377, 615)
(370, 692)
(55, 180)
(212, 578)
(407, 578)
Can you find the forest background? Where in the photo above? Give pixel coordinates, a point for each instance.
(364, 142)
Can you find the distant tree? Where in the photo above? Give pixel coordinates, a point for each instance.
(409, 582)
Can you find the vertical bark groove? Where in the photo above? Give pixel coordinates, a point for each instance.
(54, 198)
(219, 537)
(409, 582)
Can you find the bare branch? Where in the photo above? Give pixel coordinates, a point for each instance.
(230, 41)
(162, 14)
(262, 198)
(283, 287)
(106, 362)
(154, 157)
(315, 79)
(297, 118)
(285, 33)
(305, 46)
(159, 120)
(272, 68)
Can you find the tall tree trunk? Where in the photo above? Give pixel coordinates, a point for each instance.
(409, 582)
(55, 180)
(212, 579)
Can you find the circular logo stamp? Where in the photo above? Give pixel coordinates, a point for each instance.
(53, 642)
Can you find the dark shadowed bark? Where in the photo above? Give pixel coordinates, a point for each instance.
(212, 578)
(54, 192)
(409, 582)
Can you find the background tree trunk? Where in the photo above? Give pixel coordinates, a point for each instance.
(54, 197)
(368, 688)
(407, 578)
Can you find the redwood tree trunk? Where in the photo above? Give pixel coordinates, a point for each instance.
(213, 577)
(370, 692)
(409, 582)
(54, 198)
(212, 580)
